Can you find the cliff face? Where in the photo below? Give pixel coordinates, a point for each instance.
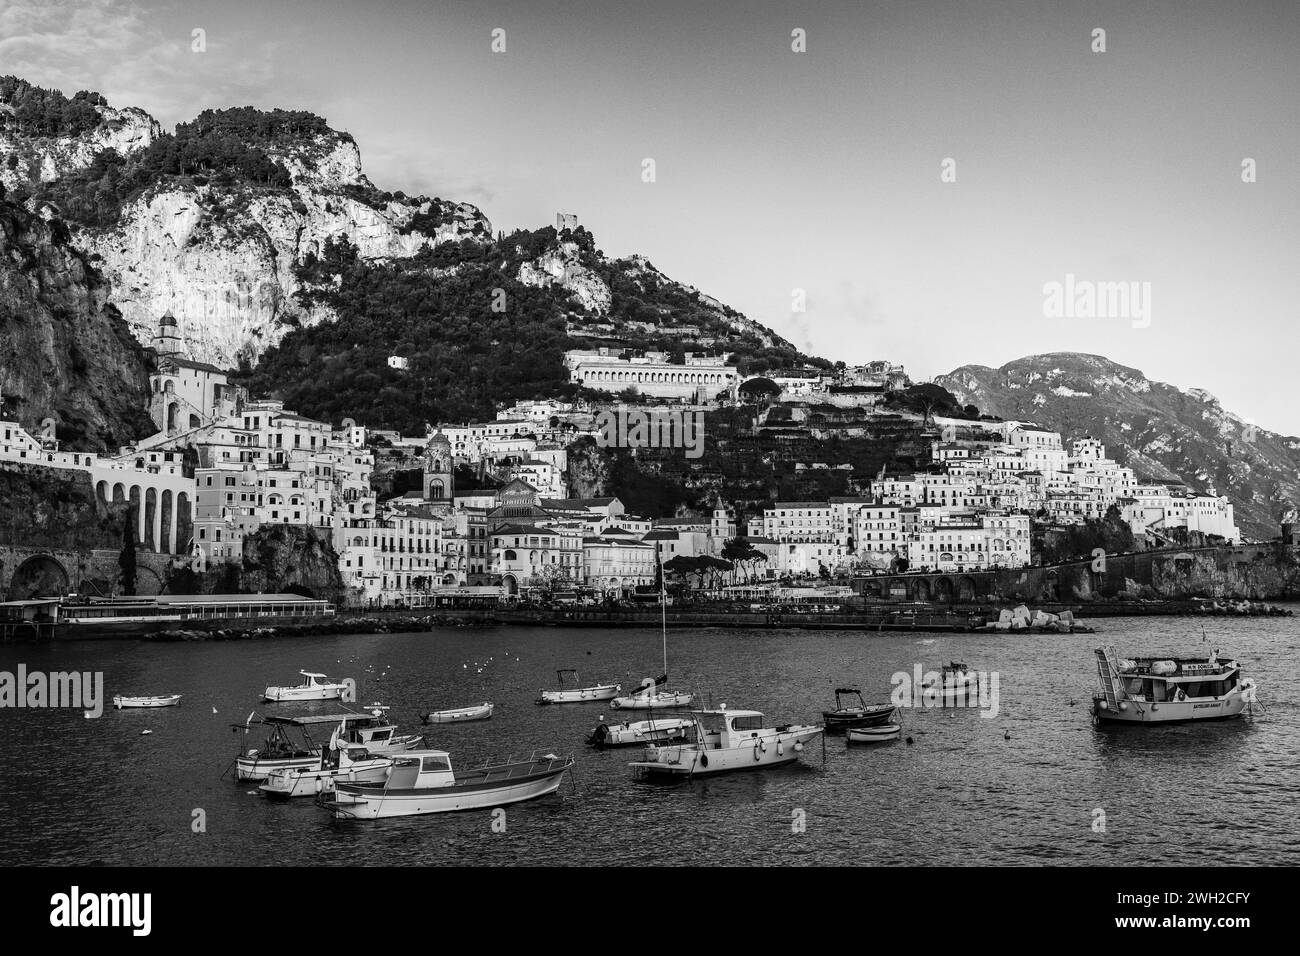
(65, 353)
(1162, 432)
(45, 158)
(290, 558)
(50, 508)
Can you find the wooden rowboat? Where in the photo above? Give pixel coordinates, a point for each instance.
(166, 700)
(458, 715)
(874, 735)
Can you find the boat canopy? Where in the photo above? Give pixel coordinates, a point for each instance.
(312, 674)
(847, 690)
(309, 720)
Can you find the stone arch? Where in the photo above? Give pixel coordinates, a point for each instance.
(943, 590)
(1051, 587)
(923, 589)
(965, 588)
(41, 575)
(448, 579)
(152, 512)
(148, 582)
(510, 584)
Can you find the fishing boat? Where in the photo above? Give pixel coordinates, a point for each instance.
(1169, 690)
(957, 686)
(315, 687)
(647, 696)
(629, 734)
(860, 714)
(340, 761)
(165, 700)
(458, 715)
(423, 781)
(873, 735)
(725, 740)
(576, 694)
(289, 744)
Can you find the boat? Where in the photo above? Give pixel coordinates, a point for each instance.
(957, 686)
(1169, 690)
(423, 781)
(879, 733)
(860, 714)
(575, 694)
(165, 700)
(315, 687)
(647, 697)
(340, 761)
(281, 751)
(458, 715)
(628, 734)
(726, 740)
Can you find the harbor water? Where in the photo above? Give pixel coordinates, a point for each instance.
(1037, 783)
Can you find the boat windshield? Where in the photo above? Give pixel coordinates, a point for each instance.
(435, 762)
(750, 722)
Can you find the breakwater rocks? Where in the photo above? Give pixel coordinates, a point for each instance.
(335, 625)
(1238, 609)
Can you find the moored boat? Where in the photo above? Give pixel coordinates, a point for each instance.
(340, 761)
(423, 781)
(860, 714)
(458, 715)
(647, 697)
(164, 700)
(725, 740)
(1169, 690)
(575, 694)
(315, 687)
(873, 735)
(631, 734)
(957, 686)
(284, 750)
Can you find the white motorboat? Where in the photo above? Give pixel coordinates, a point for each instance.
(423, 781)
(281, 751)
(1152, 690)
(878, 734)
(341, 761)
(458, 715)
(647, 697)
(642, 732)
(165, 700)
(575, 694)
(315, 687)
(726, 740)
(957, 686)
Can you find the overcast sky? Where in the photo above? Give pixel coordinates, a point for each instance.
(819, 170)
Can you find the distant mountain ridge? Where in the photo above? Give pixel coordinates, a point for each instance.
(1165, 433)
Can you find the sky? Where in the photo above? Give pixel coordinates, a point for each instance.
(823, 176)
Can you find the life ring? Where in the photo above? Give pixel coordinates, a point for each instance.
(1182, 695)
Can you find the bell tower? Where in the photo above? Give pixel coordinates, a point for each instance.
(438, 469)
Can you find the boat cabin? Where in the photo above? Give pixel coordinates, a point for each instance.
(421, 769)
(723, 729)
(1165, 679)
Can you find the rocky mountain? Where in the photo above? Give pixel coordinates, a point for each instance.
(1163, 432)
(65, 352)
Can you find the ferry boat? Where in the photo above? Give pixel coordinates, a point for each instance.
(725, 740)
(642, 732)
(283, 751)
(1171, 690)
(575, 694)
(423, 781)
(315, 687)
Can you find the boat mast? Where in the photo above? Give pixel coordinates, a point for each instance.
(663, 608)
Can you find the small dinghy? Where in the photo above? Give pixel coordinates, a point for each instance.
(166, 700)
(630, 734)
(458, 715)
(874, 735)
(575, 694)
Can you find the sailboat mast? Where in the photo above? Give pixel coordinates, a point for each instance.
(663, 608)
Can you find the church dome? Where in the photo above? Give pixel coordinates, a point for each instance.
(439, 440)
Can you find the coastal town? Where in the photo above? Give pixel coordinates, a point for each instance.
(485, 510)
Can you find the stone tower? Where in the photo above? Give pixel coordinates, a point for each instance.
(438, 469)
(167, 340)
(566, 220)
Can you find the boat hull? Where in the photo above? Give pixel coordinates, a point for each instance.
(652, 701)
(1170, 712)
(580, 695)
(279, 695)
(362, 803)
(842, 720)
(170, 700)
(638, 734)
(297, 782)
(774, 750)
(874, 735)
(254, 768)
(459, 716)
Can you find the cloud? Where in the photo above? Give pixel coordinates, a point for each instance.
(117, 48)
